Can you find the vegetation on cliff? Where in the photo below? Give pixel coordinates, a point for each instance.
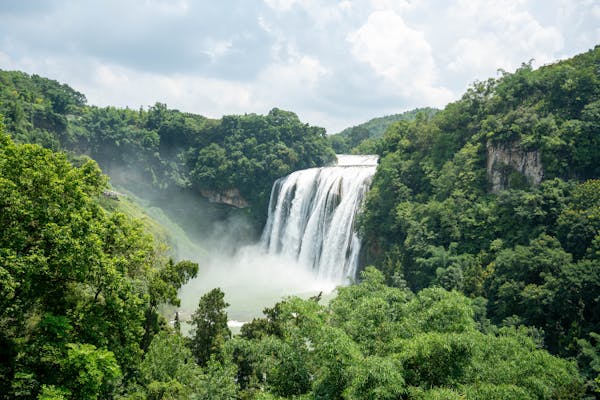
(529, 252)
(160, 149)
(361, 138)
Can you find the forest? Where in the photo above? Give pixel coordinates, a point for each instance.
(361, 139)
(525, 249)
(481, 279)
(161, 149)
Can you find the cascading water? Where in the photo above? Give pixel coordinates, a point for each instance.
(312, 213)
(309, 232)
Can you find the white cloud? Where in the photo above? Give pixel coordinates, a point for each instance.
(477, 55)
(334, 63)
(394, 5)
(321, 13)
(114, 85)
(4, 60)
(167, 6)
(291, 84)
(391, 48)
(397, 53)
(281, 5)
(216, 49)
(298, 77)
(345, 5)
(501, 34)
(109, 84)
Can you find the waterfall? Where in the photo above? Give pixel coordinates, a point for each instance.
(312, 213)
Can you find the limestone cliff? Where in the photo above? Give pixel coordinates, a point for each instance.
(503, 160)
(230, 197)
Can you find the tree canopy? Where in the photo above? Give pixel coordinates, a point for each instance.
(161, 149)
(485, 272)
(379, 342)
(79, 285)
(527, 248)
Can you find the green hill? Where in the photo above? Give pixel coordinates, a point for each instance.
(482, 227)
(161, 151)
(497, 196)
(350, 138)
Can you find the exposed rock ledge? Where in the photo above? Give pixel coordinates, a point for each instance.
(230, 197)
(504, 159)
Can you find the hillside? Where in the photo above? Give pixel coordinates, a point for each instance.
(497, 196)
(81, 288)
(481, 233)
(350, 138)
(160, 152)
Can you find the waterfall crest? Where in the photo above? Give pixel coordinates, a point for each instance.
(312, 213)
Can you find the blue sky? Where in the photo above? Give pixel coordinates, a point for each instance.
(334, 63)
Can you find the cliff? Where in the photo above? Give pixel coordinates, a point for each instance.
(507, 164)
(230, 197)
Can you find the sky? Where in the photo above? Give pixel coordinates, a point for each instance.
(334, 63)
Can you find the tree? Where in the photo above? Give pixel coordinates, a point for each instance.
(168, 369)
(376, 378)
(89, 373)
(218, 381)
(210, 329)
(163, 290)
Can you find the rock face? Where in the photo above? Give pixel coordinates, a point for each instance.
(111, 194)
(504, 160)
(230, 197)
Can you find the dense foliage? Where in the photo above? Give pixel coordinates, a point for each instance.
(79, 287)
(479, 288)
(36, 109)
(360, 139)
(250, 152)
(371, 342)
(380, 342)
(531, 252)
(161, 149)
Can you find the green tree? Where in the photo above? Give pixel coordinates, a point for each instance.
(210, 329)
(168, 369)
(89, 373)
(376, 378)
(77, 277)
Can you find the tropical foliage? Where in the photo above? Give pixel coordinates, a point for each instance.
(160, 149)
(528, 251)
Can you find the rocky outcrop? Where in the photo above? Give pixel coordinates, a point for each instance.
(111, 194)
(503, 160)
(230, 197)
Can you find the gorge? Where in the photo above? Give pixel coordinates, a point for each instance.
(309, 243)
(482, 224)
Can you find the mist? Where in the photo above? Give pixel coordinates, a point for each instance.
(232, 260)
(224, 243)
(251, 281)
(309, 245)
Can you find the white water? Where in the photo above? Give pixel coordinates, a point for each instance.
(251, 281)
(308, 245)
(312, 214)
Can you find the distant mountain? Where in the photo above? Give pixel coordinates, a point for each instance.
(377, 126)
(348, 139)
